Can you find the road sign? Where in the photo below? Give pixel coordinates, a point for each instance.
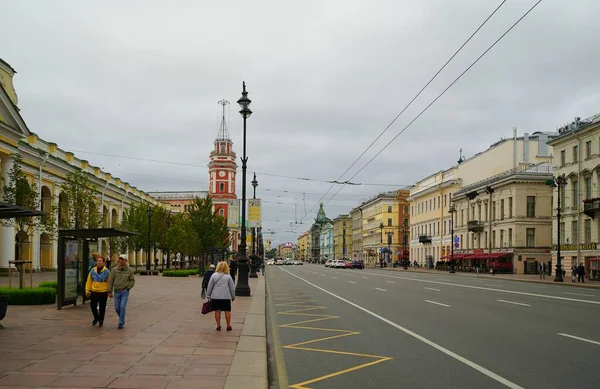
(456, 239)
(456, 245)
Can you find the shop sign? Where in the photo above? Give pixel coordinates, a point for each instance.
(575, 247)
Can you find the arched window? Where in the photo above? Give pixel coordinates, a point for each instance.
(221, 187)
(221, 212)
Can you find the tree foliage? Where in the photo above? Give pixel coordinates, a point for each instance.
(211, 228)
(78, 206)
(19, 191)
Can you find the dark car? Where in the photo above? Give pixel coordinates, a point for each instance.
(358, 264)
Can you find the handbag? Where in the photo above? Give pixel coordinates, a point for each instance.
(207, 307)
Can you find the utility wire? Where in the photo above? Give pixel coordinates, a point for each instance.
(409, 104)
(440, 95)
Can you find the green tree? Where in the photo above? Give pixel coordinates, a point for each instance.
(19, 191)
(211, 229)
(78, 204)
(271, 253)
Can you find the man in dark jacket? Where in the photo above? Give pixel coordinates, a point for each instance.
(233, 266)
(207, 275)
(581, 272)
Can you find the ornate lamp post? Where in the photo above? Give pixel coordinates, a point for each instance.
(242, 288)
(404, 239)
(253, 266)
(381, 244)
(149, 211)
(558, 182)
(452, 211)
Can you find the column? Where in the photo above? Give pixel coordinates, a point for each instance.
(7, 234)
(36, 253)
(55, 240)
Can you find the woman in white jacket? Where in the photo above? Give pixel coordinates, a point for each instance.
(221, 291)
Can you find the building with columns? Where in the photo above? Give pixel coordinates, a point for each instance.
(47, 165)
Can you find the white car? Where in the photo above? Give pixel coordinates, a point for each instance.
(339, 264)
(329, 263)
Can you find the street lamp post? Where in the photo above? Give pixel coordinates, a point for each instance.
(381, 244)
(404, 238)
(452, 212)
(168, 249)
(242, 288)
(558, 182)
(253, 273)
(149, 212)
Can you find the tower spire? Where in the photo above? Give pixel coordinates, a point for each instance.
(223, 131)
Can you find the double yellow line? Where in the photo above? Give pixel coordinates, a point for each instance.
(300, 309)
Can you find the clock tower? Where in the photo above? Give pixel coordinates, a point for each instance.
(222, 171)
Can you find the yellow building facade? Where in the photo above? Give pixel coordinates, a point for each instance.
(303, 246)
(431, 198)
(380, 230)
(342, 237)
(46, 165)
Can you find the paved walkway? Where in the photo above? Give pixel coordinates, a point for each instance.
(512, 277)
(166, 342)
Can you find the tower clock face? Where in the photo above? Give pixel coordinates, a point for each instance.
(221, 173)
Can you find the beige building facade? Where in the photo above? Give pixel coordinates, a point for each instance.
(303, 246)
(431, 197)
(380, 232)
(357, 233)
(577, 157)
(505, 221)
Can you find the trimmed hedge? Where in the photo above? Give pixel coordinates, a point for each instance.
(29, 296)
(175, 273)
(48, 284)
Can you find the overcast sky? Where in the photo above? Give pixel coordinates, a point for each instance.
(142, 79)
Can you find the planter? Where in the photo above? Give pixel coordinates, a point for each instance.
(3, 307)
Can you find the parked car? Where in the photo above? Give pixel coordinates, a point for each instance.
(329, 263)
(348, 264)
(279, 261)
(338, 264)
(358, 264)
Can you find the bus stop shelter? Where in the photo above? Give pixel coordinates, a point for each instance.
(74, 256)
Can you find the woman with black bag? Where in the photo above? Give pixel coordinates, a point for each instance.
(221, 292)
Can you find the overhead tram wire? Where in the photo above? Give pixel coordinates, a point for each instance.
(440, 95)
(410, 102)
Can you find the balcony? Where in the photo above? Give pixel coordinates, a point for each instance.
(475, 226)
(591, 206)
(425, 239)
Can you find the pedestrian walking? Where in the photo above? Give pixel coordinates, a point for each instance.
(233, 267)
(120, 281)
(221, 292)
(206, 279)
(542, 270)
(96, 288)
(581, 272)
(573, 273)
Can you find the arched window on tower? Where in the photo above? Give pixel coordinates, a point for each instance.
(222, 212)
(221, 187)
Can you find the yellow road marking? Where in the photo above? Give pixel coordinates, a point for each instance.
(301, 309)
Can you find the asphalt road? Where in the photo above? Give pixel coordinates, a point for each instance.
(381, 329)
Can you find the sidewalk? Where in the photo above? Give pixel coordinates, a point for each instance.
(166, 342)
(534, 278)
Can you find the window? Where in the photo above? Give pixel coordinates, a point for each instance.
(412, 210)
(563, 192)
(445, 200)
(438, 229)
(221, 187)
(389, 208)
(575, 201)
(510, 207)
(502, 209)
(473, 212)
(485, 241)
(510, 237)
(588, 231)
(575, 154)
(530, 206)
(221, 212)
(462, 217)
(588, 187)
(562, 158)
(439, 201)
(574, 232)
(501, 238)
(493, 239)
(493, 211)
(562, 232)
(406, 209)
(530, 236)
(588, 149)
(430, 207)
(445, 227)
(389, 222)
(485, 208)
(479, 212)
(461, 241)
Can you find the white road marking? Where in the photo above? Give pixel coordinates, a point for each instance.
(512, 302)
(579, 294)
(442, 349)
(390, 282)
(437, 290)
(434, 302)
(352, 282)
(535, 286)
(578, 338)
(366, 277)
(493, 285)
(335, 278)
(491, 289)
(383, 290)
(323, 274)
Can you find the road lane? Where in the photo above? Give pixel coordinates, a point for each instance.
(476, 325)
(413, 364)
